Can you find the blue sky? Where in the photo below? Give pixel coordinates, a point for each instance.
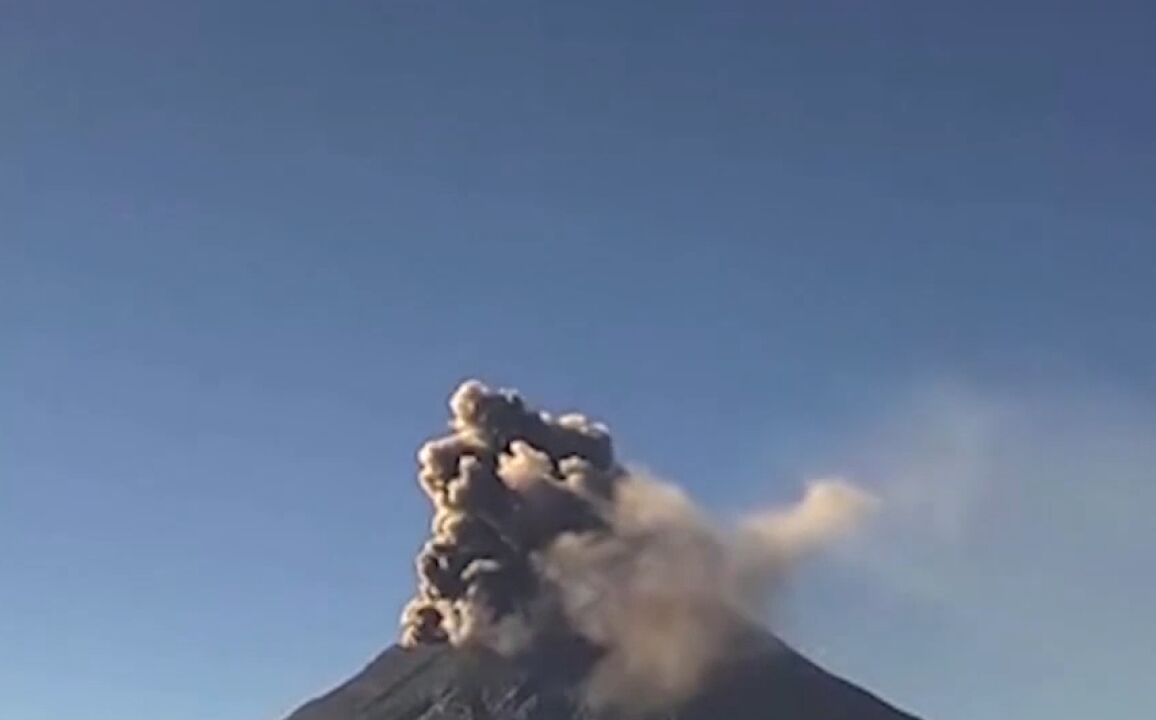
(248, 248)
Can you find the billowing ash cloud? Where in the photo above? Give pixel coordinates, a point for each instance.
(536, 523)
(504, 483)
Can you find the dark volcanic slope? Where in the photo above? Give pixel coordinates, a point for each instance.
(442, 682)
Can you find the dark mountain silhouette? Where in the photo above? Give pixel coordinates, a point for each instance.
(767, 680)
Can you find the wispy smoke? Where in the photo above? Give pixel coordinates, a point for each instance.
(535, 520)
(664, 591)
(1005, 504)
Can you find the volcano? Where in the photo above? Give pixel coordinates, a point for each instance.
(765, 680)
(559, 583)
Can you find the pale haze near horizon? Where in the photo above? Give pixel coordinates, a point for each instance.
(247, 250)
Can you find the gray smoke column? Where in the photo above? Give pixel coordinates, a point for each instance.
(535, 520)
(504, 483)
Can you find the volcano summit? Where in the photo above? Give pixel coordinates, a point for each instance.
(558, 583)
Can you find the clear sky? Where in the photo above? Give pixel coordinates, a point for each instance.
(248, 248)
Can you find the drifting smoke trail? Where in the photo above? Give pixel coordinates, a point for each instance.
(534, 519)
(665, 593)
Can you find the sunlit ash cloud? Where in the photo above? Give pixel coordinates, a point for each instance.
(539, 529)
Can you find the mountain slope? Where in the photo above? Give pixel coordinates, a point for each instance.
(441, 682)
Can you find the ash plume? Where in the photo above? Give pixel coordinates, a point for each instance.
(504, 483)
(536, 523)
